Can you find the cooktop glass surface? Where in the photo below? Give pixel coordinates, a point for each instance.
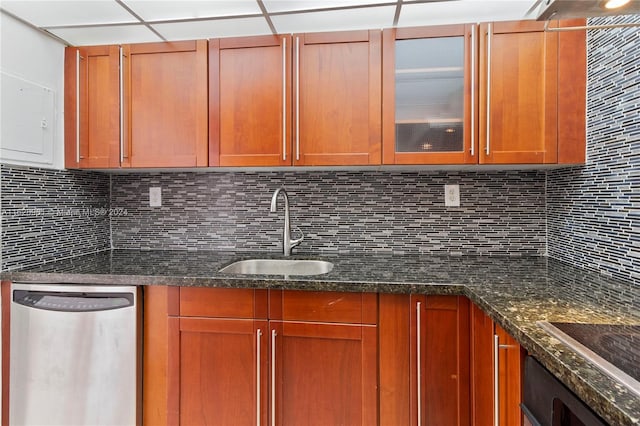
(614, 348)
(618, 344)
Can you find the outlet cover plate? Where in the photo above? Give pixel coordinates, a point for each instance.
(452, 195)
(155, 197)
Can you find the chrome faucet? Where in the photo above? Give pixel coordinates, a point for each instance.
(287, 242)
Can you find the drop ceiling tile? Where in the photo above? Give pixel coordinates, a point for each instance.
(463, 11)
(119, 34)
(169, 10)
(290, 5)
(350, 19)
(213, 28)
(58, 13)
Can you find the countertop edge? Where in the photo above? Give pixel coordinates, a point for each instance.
(552, 360)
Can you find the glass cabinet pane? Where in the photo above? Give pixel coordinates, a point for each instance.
(430, 94)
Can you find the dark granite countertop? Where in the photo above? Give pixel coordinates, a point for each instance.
(515, 291)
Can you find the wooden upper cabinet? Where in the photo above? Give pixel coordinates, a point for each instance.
(572, 93)
(498, 93)
(167, 105)
(337, 98)
(250, 101)
(92, 107)
(429, 95)
(518, 93)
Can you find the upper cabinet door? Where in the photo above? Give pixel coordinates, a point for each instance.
(92, 107)
(429, 95)
(518, 93)
(250, 101)
(337, 98)
(167, 105)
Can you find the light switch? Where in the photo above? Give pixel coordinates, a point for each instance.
(155, 197)
(452, 195)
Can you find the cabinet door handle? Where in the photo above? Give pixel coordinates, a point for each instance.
(284, 98)
(273, 377)
(258, 377)
(496, 378)
(121, 108)
(78, 106)
(473, 89)
(488, 88)
(419, 361)
(297, 98)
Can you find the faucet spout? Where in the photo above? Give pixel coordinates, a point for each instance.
(287, 242)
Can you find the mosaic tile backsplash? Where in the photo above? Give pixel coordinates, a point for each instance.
(338, 212)
(594, 211)
(52, 214)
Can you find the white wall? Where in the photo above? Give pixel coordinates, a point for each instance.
(36, 58)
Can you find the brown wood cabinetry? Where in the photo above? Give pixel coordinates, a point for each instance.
(518, 93)
(497, 93)
(139, 105)
(239, 356)
(532, 94)
(429, 95)
(250, 101)
(337, 98)
(92, 107)
(220, 369)
(167, 105)
(313, 99)
(496, 371)
(324, 358)
(424, 360)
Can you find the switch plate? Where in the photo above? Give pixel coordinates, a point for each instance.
(155, 197)
(452, 195)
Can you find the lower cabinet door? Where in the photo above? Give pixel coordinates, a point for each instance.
(510, 360)
(439, 342)
(217, 372)
(323, 374)
(496, 364)
(482, 368)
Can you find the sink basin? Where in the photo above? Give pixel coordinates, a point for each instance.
(278, 267)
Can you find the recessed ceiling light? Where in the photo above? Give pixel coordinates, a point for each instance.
(614, 4)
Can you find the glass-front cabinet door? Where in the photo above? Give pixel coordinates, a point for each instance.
(428, 95)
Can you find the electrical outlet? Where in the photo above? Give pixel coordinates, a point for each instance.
(155, 197)
(452, 195)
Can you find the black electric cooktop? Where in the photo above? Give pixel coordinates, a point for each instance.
(618, 345)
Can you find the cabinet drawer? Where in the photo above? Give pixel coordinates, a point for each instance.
(223, 302)
(323, 306)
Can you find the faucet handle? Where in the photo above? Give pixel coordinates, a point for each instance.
(299, 240)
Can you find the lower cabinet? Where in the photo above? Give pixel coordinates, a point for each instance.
(496, 365)
(424, 360)
(215, 356)
(325, 374)
(242, 356)
(219, 367)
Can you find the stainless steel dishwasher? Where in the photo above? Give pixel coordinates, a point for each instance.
(74, 355)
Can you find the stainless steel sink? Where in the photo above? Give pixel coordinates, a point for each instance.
(278, 267)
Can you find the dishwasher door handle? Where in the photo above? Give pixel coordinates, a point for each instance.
(65, 301)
